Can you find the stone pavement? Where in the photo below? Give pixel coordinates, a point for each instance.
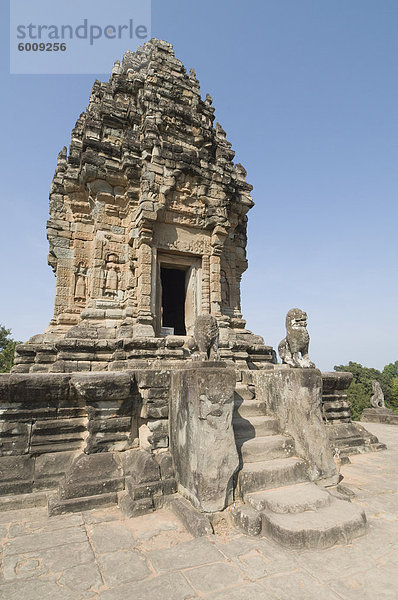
(101, 555)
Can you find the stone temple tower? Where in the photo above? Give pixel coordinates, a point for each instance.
(116, 402)
(147, 226)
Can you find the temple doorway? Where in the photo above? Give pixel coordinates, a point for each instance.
(178, 293)
(173, 299)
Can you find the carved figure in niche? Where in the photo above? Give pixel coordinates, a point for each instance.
(80, 283)
(225, 292)
(296, 341)
(377, 400)
(185, 199)
(187, 192)
(111, 280)
(205, 340)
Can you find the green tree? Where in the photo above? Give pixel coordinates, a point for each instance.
(359, 397)
(390, 373)
(7, 349)
(394, 391)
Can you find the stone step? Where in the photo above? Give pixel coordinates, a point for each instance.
(21, 501)
(266, 448)
(296, 498)
(336, 523)
(255, 426)
(58, 506)
(262, 475)
(250, 408)
(242, 392)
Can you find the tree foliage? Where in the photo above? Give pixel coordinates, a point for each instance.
(7, 349)
(360, 390)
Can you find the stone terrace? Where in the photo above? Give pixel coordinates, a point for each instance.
(101, 555)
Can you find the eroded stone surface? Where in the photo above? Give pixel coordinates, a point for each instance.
(293, 349)
(202, 410)
(165, 563)
(148, 186)
(293, 397)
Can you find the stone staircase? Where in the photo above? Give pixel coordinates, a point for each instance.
(278, 499)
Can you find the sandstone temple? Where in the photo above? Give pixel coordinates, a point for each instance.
(146, 387)
(147, 226)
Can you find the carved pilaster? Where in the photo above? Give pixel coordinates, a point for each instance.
(144, 326)
(205, 284)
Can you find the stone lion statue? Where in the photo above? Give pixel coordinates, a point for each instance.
(377, 400)
(296, 341)
(204, 344)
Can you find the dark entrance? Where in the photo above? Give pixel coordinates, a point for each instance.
(173, 299)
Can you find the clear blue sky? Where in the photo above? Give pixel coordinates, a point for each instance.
(307, 92)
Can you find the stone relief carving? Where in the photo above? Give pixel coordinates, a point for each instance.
(377, 399)
(186, 198)
(225, 289)
(112, 276)
(181, 240)
(80, 291)
(296, 341)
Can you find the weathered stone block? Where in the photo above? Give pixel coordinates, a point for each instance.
(165, 462)
(134, 508)
(94, 466)
(39, 388)
(293, 396)
(157, 412)
(89, 488)
(57, 435)
(16, 474)
(143, 490)
(51, 467)
(14, 438)
(201, 409)
(4, 387)
(247, 519)
(102, 386)
(140, 466)
(380, 415)
(169, 486)
(152, 378)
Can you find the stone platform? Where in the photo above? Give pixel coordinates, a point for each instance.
(101, 555)
(380, 415)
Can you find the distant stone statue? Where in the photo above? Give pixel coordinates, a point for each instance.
(205, 339)
(296, 341)
(377, 400)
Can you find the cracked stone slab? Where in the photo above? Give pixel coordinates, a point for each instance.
(335, 562)
(380, 582)
(172, 586)
(122, 567)
(35, 589)
(110, 537)
(189, 554)
(43, 561)
(212, 578)
(82, 578)
(29, 543)
(298, 585)
(258, 557)
(44, 525)
(250, 591)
